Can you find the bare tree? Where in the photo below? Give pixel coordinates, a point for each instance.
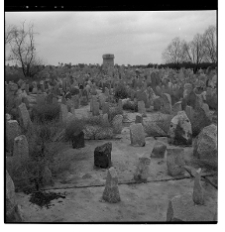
(194, 51)
(210, 44)
(23, 48)
(174, 52)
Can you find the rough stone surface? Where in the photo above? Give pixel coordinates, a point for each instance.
(189, 112)
(153, 130)
(175, 161)
(142, 170)
(137, 135)
(78, 140)
(63, 112)
(24, 116)
(177, 107)
(21, 147)
(12, 131)
(95, 109)
(166, 106)
(182, 208)
(205, 147)
(102, 156)
(13, 213)
(141, 107)
(198, 192)
(117, 124)
(111, 192)
(159, 150)
(139, 119)
(199, 121)
(180, 131)
(105, 108)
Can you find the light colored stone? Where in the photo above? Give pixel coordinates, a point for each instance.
(198, 192)
(182, 208)
(175, 161)
(63, 112)
(177, 107)
(142, 170)
(24, 116)
(141, 107)
(180, 131)
(95, 110)
(117, 124)
(205, 147)
(111, 192)
(137, 135)
(21, 147)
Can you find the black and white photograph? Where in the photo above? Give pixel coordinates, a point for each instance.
(111, 116)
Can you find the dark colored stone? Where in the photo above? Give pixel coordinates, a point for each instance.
(78, 140)
(102, 155)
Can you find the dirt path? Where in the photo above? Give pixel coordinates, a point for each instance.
(143, 202)
(146, 202)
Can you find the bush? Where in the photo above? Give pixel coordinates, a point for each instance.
(46, 112)
(121, 92)
(75, 126)
(11, 103)
(131, 106)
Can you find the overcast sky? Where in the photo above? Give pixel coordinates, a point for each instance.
(133, 37)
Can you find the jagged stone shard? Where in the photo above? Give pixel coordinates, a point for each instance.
(182, 208)
(198, 192)
(142, 170)
(102, 155)
(180, 131)
(175, 161)
(137, 135)
(111, 192)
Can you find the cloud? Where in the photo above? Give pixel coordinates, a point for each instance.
(133, 37)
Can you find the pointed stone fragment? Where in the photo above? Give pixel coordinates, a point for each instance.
(142, 170)
(111, 192)
(198, 194)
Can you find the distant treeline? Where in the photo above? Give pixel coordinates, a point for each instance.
(178, 66)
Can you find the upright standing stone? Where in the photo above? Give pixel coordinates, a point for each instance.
(198, 194)
(102, 155)
(13, 213)
(24, 116)
(95, 108)
(106, 92)
(180, 131)
(117, 123)
(111, 192)
(78, 140)
(177, 107)
(141, 107)
(189, 112)
(105, 108)
(142, 170)
(137, 135)
(105, 118)
(139, 119)
(21, 148)
(12, 131)
(75, 100)
(175, 161)
(63, 112)
(92, 102)
(166, 103)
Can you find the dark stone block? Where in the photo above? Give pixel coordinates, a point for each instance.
(78, 140)
(102, 156)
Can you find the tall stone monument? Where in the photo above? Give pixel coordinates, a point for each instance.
(108, 63)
